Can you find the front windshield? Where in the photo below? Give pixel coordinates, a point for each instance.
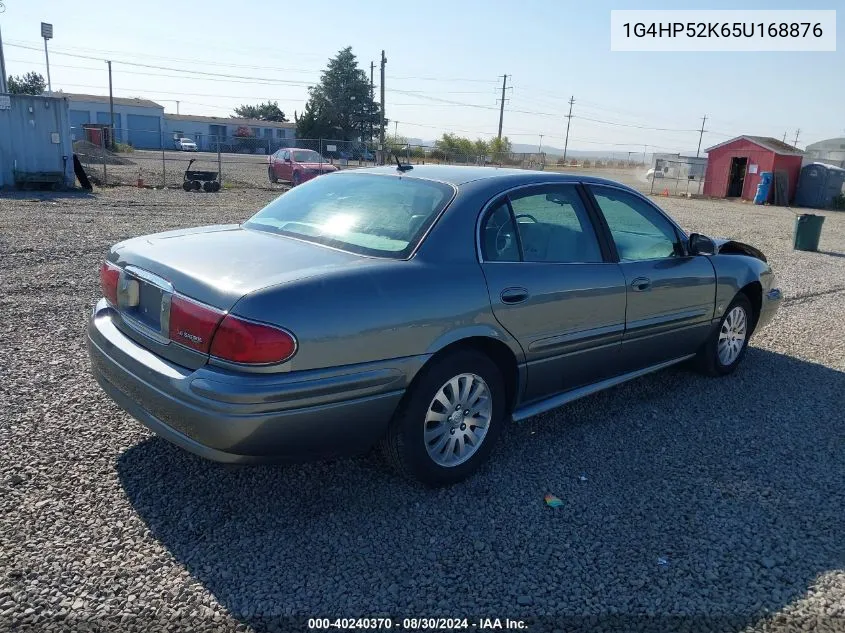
(384, 216)
(307, 156)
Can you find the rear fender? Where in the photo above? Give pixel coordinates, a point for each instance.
(477, 330)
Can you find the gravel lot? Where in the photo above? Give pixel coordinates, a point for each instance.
(706, 503)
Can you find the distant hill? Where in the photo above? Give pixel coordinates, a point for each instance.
(550, 150)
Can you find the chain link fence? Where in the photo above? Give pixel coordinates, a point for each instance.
(678, 177)
(152, 158)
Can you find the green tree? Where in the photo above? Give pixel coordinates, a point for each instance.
(395, 143)
(500, 148)
(340, 106)
(269, 111)
(482, 147)
(31, 83)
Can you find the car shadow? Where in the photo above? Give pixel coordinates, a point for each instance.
(719, 499)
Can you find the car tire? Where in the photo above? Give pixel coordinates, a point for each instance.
(412, 444)
(725, 348)
(271, 176)
(297, 179)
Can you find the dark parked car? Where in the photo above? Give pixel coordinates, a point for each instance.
(420, 308)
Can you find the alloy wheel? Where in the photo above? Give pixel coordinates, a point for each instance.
(458, 419)
(732, 335)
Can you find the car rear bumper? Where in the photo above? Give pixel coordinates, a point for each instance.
(245, 418)
(771, 302)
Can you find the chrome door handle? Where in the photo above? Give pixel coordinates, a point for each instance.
(641, 283)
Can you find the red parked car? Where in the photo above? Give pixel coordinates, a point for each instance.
(297, 165)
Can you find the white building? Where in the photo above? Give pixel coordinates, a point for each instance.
(206, 131)
(144, 125)
(830, 152)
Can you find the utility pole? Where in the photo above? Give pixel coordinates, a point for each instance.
(381, 127)
(111, 104)
(700, 134)
(372, 95)
(502, 104)
(645, 149)
(47, 34)
(3, 87)
(395, 130)
(784, 137)
(177, 107)
(795, 142)
(568, 121)
(540, 149)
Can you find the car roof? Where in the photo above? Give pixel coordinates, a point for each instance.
(460, 175)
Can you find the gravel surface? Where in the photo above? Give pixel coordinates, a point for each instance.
(711, 504)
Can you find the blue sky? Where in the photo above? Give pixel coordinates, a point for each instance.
(448, 51)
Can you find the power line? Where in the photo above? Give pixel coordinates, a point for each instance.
(204, 62)
(179, 70)
(444, 79)
(641, 127)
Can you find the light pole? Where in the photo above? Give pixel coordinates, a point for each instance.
(47, 34)
(3, 87)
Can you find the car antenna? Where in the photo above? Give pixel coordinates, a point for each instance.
(400, 166)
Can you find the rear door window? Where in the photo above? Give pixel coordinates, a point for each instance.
(554, 226)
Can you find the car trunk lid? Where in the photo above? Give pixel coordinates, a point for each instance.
(215, 266)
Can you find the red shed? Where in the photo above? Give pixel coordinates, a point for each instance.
(734, 167)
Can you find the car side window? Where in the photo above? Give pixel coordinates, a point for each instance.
(286, 155)
(554, 226)
(639, 231)
(498, 237)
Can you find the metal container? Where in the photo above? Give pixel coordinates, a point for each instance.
(807, 232)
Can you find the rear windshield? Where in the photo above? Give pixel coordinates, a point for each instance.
(308, 156)
(383, 216)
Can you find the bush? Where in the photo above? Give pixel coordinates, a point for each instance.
(123, 147)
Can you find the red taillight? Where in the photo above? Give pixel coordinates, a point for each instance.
(242, 341)
(192, 324)
(109, 276)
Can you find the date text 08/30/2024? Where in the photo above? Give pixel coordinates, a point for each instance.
(416, 624)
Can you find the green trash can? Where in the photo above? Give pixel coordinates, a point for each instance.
(808, 230)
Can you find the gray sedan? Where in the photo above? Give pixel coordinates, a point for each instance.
(420, 308)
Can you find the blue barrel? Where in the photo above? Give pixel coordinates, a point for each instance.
(763, 188)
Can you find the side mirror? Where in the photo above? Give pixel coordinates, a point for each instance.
(701, 245)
